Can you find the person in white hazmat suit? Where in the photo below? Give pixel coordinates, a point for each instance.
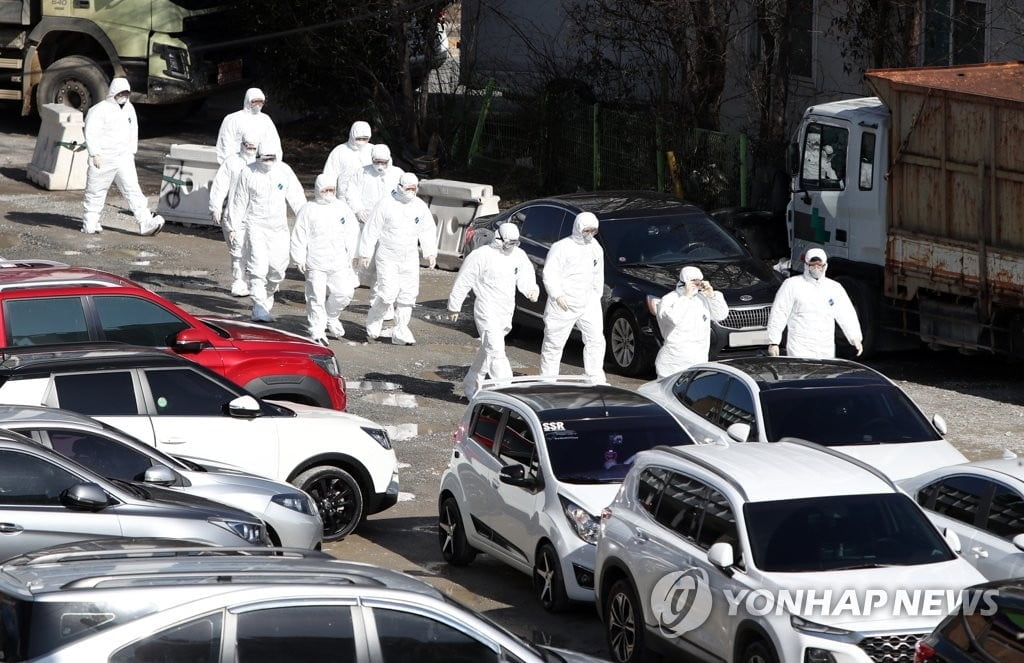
(493, 272)
(574, 280)
(684, 317)
(346, 159)
(323, 245)
(112, 139)
(250, 121)
(221, 190)
(265, 191)
(398, 223)
(810, 305)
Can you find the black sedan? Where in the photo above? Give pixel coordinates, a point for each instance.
(647, 238)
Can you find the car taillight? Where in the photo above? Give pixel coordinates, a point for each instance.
(470, 231)
(923, 652)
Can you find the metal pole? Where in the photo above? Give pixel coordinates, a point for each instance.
(597, 148)
(659, 156)
(744, 166)
(478, 132)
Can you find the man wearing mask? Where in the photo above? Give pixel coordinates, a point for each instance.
(574, 281)
(347, 159)
(265, 191)
(397, 224)
(493, 272)
(810, 305)
(221, 190)
(684, 317)
(250, 121)
(112, 138)
(323, 245)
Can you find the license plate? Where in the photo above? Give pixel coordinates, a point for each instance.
(229, 72)
(746, 338)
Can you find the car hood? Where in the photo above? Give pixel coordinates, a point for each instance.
(197, 503)
(593, 497)
(744, 281)
(249, 332)
(313, 412)
(906, 459)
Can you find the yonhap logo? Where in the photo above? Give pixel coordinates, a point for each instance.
(681, 601)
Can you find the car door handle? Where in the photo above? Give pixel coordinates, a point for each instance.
(979, 551)
(641, 536)
(173, 440)
(10, 528)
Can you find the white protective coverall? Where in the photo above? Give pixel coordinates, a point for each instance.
(398, 223)
(265, 191)
(368, 187)
(323, 245)
(346, 159)
(811, 308)
(684, 317)
(112, 138)
(221, 191)
(574, 281)
(493, 272)
(250, 121)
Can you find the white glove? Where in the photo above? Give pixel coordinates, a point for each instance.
(233, 237)
(216, 217)
(562, 302)
(859, 346)
(773, 350)
(707, 290)
(362, 215)
(453, 316)
(97, 161)
(302, 268)
(361, 263)
(533, 294)
(431, 262)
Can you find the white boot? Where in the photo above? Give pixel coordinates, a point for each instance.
(151, 227)
(335, 329)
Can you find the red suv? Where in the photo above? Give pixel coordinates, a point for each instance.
(44, 302)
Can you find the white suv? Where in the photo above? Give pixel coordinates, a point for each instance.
(764, 553)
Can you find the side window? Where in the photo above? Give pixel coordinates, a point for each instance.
(719, 522)
(484, 428)
(649, 486)
(517, 441)
(45, 320)
(183, 392)
(28, 479)
(106, 457)
(97, 394)
(296, 633)
(824, 157)
(409, 637)
(543, 224)
(135, 320)
(956, 497)
(197, 641)
(738, 407)
(679, 388)
(1006, 513)
(682, 503)
(704, 394)
(866, 177)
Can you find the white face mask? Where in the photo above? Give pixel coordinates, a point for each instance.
(588, 237)
(255, 109)
(121, 100)
(816, 271)
(265, 166)
(405, 196)
(380, 167)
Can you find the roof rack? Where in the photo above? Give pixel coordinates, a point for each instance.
(839, 454)
(62, 283)
(682, 452)
(585, 380)
(221, 577)
(169, 551)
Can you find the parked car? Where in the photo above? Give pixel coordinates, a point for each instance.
(289, 514)
(344, 462)
(45, 303)
(532, 466)
(987, 627)
(983, 502)
(46, 499)
(834, 402)
(791, 519)
(135, 601)
(647, 238)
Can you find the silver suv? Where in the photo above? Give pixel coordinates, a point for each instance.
(162, 601)
(762, 553)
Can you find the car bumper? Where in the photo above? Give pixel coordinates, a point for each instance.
(578, 570)
(295, 529)
(381, 501)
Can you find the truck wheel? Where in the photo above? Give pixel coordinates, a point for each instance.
(338, 498)
(74, 81)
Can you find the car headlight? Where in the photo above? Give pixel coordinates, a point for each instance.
(175, 58)
(295, 502)
(327, 362)
(253, 533)
(805, 626)
(585, 525)
(380, 435)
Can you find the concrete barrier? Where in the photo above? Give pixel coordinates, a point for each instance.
(454, 206)
(60, 160)
(185, 191)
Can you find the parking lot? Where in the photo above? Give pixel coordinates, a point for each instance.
(415, 391)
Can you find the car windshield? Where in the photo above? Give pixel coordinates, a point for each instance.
(846, 415)
(841, 532)
(667, 240)
(602, 450)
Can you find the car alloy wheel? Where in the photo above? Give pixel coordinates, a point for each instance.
(451, 534)
(623, 624)
(624, 343)
(547, 580)
(338, 498)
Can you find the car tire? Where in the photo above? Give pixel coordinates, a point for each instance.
(451, 534)
(624, 624)
(548, 583)
(624, 349)
(338, 498)
(758, 652)
(75, 81)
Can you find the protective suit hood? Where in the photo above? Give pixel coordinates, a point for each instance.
(406, 180)
(380, 153)
(249, 139)
(584, 221)
(117, 86)
(359, 129)
(250, 94)
(507, 238)
(323, 182)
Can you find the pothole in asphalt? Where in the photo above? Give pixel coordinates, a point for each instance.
(392, 399)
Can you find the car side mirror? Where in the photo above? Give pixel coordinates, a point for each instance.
(244, 406)
(1018, 541)
(739, 432)
(84, 497)
(940, 424)
(722, 556)
(190, 340)
(515, 475)
(793, 158)
(159, 475)
(953, 539)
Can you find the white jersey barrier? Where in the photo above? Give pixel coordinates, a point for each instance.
(454, 205)
(60, 159)
(185, 192)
